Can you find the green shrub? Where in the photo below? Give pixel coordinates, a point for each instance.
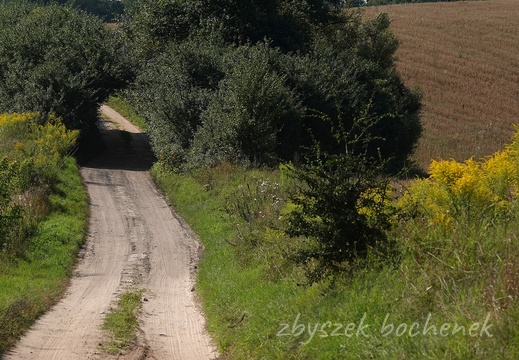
(172, 91)
(258, 104)
(254, 117)
(32, 159)
(56, 60)
(153, 24)
(350, 74)
(330, 210)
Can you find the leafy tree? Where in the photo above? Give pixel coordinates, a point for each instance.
(56, 60)
(253, 117)
(172, 91)
(288, 24)
(106, 10)
(351, 74)
(263, 103)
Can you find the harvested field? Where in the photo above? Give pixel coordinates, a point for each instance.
(464, 58)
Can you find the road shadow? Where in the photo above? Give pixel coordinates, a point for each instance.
(121, 150)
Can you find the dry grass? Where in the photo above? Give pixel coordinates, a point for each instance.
(464, 57)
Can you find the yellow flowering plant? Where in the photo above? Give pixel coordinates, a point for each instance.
(31, 150)
(457, 190)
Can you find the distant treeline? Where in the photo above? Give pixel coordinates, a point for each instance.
(389, 2)
(106, 10)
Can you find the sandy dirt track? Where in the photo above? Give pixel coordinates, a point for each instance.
(135, 241)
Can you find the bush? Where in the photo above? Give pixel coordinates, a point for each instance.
(56, 60)
(351, 74)
(32, 157)
(254, 117)
(257, 104)
(482, 192)
(153, 25)
(341, 206)
(171, 93)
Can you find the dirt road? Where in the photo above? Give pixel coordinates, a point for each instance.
(135, 241)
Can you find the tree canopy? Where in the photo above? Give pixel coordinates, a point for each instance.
(262, 82)
(56, 60)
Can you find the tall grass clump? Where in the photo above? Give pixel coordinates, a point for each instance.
(43, 208)
(459, 240)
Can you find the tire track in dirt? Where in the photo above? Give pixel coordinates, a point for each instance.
(134, 241)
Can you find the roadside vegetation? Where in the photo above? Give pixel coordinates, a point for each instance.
(56, 66)
(448, 289)
(328, 254)
(55, 60)
(286, 137)
(43, 211)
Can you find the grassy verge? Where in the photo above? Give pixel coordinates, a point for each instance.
(31, 285)
(446, 297)
(122, 322)
(123, 107)
(450, 293)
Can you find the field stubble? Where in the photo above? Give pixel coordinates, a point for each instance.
(463, 56)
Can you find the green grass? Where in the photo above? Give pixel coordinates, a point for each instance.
(122, 322)
(123, 107)
(29, 286)
(258, 306)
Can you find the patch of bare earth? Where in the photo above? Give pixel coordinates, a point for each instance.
(135, 241)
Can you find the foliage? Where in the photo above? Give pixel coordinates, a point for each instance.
(253, 117)
(33, 154)
(251, 289)
(10, 212)
(30, 285)
(340, 205)
(56, 60)
(184, 76)
(350, 74)
(43, 213)
(153, 24)
(466, 191)
(251, 101)
(106, 10)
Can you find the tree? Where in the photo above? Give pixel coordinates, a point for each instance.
(322, 60)
(288, 24)
(56, 60)
(106, 10)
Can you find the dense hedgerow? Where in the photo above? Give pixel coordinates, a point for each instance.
(256, 104)
(171, 93)
(253, 117)
(153, 25)
(241, 98)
